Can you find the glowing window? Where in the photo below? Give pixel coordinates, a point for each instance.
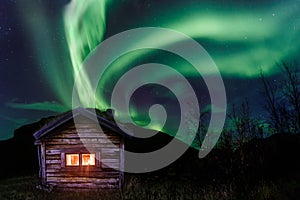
(88, 159)
(72, 159)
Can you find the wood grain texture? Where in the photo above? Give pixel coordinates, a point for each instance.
(88, 138)
(43, 162)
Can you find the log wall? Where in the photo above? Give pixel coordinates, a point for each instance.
(88, 138)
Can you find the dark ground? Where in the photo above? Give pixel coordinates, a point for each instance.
(268, 169)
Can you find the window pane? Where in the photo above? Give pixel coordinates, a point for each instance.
(88, 159)
(72, 159)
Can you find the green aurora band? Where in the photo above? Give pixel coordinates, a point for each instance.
(54, 66)
(85, 27)
(243, 40)
(262, 37)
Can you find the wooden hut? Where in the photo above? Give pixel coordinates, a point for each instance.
(80, 157)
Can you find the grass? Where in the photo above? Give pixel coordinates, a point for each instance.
(139, 187)
(24, 188)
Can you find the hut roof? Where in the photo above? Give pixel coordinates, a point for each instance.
(65, 117)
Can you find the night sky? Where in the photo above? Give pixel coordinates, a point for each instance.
(43, 44)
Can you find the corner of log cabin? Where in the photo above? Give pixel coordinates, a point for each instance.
(86, 138)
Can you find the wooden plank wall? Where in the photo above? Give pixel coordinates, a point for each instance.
(67, 139)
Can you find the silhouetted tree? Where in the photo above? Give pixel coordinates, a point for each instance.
(243, 127)
(202, 128)
(226, 140)
(282, 99)
(291, 91)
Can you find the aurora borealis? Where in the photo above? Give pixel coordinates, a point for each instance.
(43, 45)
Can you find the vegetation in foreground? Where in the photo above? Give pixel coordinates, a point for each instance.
(138, 187)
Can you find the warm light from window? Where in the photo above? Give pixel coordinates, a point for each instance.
(88, 159)
(72, 159)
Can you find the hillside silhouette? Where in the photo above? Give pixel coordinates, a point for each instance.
(266, 158)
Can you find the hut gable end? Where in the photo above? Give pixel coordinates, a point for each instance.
(74, 156)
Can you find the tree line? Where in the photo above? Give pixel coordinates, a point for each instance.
(281, 105)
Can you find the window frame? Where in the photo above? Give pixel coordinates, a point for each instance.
(81, 155)
(72, 154)
(80, 167)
